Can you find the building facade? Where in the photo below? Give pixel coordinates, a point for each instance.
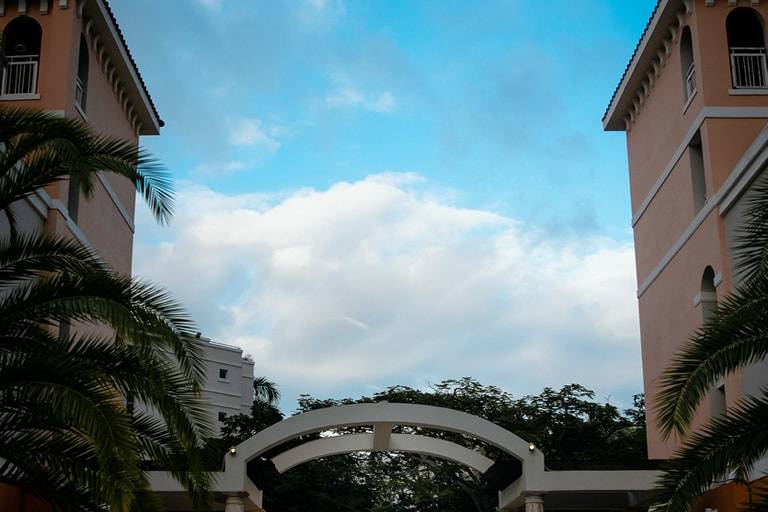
(693, 102)
(228, 386)
(70, 57)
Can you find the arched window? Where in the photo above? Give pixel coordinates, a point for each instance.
(746, 45)
(686, 61)
(21, 41)
(708, 298)
(698, 178)
(708, 294)
(81, 85)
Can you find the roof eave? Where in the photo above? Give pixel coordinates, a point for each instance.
(135, 87)
(642, 58)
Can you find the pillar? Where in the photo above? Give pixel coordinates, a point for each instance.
(234, 504)
(533, 503)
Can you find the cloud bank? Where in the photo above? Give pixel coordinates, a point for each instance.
(378, 282)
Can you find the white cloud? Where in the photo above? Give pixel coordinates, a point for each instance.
(375, 283)
(253, 132)
(345, 95)
(224, 167)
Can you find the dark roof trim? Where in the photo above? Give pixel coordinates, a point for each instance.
(642, 57)
(104, 8)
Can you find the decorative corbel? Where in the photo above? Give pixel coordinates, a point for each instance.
(667, 47)
(106, 65)
(673, 33)
(661, 56)
(650, 77)
(656, 65)
(89, 28)
(43, 6)
(680, 19)
(688, 7)
(80, 7)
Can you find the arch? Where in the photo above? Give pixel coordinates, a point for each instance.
(406, 443)
(686, 63)
(83, 65)
(708, 280)
(22, 36)
(22, 39)
(384, 413)
(746, 45)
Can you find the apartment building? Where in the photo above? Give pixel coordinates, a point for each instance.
(70, 57)
(693, 102)
(228, 386)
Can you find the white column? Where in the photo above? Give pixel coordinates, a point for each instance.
(234, 504)
(534, 503)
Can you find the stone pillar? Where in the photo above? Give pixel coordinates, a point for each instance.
(234, 504)
(534, 503)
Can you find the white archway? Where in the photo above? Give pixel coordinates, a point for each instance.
(526, 486)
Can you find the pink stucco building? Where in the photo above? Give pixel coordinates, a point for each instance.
(693, 102)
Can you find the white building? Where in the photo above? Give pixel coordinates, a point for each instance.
(228, 385)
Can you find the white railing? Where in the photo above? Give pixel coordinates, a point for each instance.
(690, 82)
(79, 92)
(19, 76)
(748, 68)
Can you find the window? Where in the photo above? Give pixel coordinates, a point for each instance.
(73, 198)
(708, 294)
(698, 181)
(223, 373)
(746, 46)
(708, 303)
(222, 416)
(686, 61)
(21, 40)
(81, 82)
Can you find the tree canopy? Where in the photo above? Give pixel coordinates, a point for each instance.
(568, 425)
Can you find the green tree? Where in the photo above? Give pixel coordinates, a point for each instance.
(735, 336)
(568, 425)
(65, 432)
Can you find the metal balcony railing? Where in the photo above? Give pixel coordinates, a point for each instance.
(748, 68)
(19, 76)
(690, 82)
(79, 93)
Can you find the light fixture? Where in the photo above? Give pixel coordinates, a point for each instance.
(531, 447)
(232, 450)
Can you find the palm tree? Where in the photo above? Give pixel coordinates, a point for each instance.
(65, 431)
(736, 336)
(265, 390)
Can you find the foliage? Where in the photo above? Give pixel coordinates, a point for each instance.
(65, 432)
(736, 336)
(567, 424)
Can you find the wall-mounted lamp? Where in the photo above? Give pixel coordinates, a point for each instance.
(531, 447)
(232, 450)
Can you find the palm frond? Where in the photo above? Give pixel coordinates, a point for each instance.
(727, 444)
(737, 335)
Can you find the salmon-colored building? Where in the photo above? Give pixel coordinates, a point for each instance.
(70, 57)
(693, 102)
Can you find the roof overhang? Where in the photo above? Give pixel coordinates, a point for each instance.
(114, 48)
(656, 31)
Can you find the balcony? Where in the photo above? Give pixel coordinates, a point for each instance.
(748, 68)
(690, 82)
(19, 78)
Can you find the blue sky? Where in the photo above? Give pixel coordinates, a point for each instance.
(376, 193)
